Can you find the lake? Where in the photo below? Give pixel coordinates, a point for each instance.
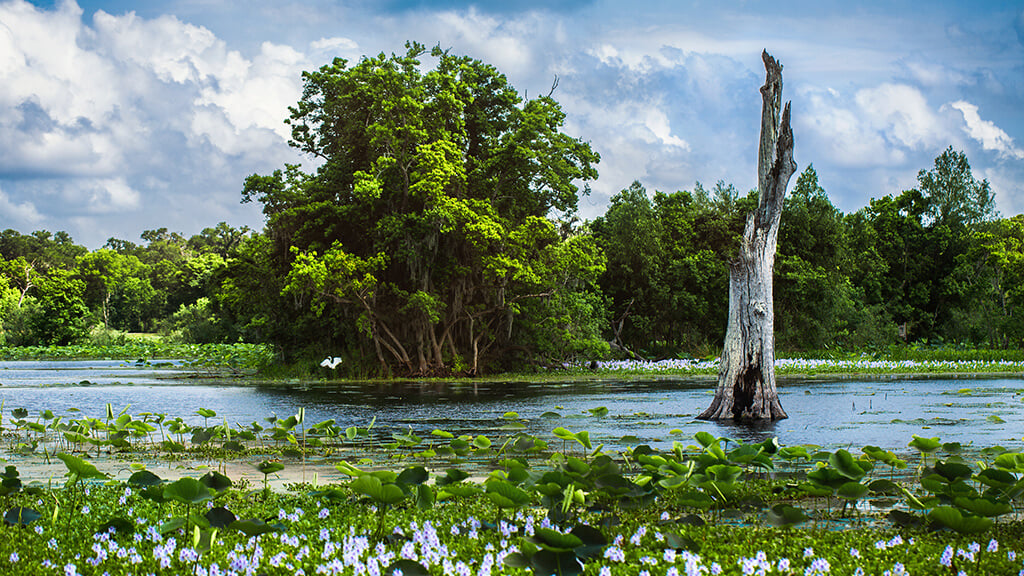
(833, 413)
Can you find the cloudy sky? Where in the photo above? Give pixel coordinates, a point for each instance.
(118, 117)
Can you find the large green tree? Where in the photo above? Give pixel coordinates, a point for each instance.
(427, 226)
(813, 294)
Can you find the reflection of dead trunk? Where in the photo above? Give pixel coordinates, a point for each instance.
(746, 376)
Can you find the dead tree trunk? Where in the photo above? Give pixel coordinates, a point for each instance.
(746, 375)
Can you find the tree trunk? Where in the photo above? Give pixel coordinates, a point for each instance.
(746, 375)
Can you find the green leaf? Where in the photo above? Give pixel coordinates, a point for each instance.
(425, 497)
(925, 445)
(828, 477)
(154, 493)
(144, 478)
(21, 516)
(171, 525)
(452, 475)
(348, 469)
(406, 568)
(983, 506)
(905, 519)
(187, 491)
(845, 464)
(952, 470)
(884, 487)
(793, 453)
(705, 439)
(557, 563)
(852, 491)
(268, 468)
(216, 481)
(996, 478)
(379, 492)
(783, 515)
(504, 494)
(554, 540)
(413, 475)
(516, 560)
(79, 469)
(220, 517)
(461, 490)
(255, 527)
(120, 525)
(563, 434)
(952, 518)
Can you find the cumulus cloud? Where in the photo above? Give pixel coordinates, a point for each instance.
(879, 125)
(111, 114)
(901, 113)
(256, 99)
(505, 43)
(18, 214)
(987, 133)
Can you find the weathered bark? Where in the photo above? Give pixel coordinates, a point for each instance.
(746, 375)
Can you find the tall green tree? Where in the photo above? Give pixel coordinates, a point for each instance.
(62, 316)
(955, 197)
(913, 252)
(813, 294)
(428, 220)
(630, 234)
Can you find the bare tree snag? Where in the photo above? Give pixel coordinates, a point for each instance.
(746, 375)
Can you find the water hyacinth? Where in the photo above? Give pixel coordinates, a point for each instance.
(812, 366)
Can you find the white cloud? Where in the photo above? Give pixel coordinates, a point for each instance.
(256, 99)
(881, 125)
(105, 195)
(935, 74)
(902, 114)
(505, 43)
(987, 133)
(122, 114)
(18, 213)
(345, 47)
(172, 50)
(838, 131)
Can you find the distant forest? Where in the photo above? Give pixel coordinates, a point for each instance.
(440, 236)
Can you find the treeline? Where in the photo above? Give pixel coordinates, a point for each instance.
(439, 235)
(931, 264)
(53, 291)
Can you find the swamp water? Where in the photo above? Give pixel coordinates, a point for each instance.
(832, 413)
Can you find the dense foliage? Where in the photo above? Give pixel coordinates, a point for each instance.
(439, 235)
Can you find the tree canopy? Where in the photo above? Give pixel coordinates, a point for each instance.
(429, 224)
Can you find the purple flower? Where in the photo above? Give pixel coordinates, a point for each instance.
(947, 557)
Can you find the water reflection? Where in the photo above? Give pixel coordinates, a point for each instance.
(884, 412)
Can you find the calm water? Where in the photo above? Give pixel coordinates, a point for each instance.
(831, 413)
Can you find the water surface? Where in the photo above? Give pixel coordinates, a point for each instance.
(832, 413)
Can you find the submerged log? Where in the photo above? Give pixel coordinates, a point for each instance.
(746, 375)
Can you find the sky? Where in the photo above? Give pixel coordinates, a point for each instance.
(118, 117)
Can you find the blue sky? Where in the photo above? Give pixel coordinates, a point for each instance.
(117, 117)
